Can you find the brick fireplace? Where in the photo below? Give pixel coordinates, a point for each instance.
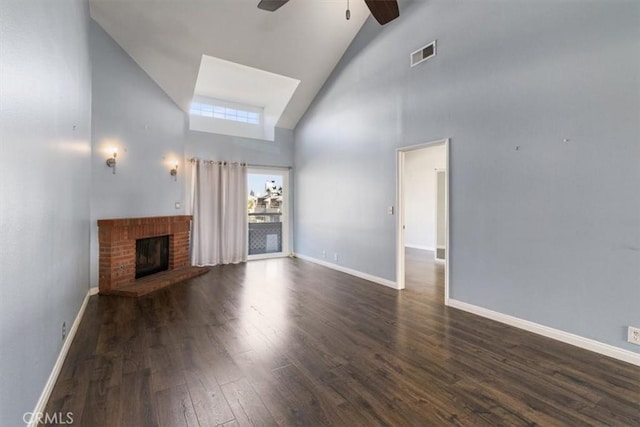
(118, 237)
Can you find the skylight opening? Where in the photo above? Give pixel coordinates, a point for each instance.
(224, 113)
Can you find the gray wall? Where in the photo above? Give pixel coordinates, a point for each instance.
(549, 233)
(133, 113)
(45, 130)
(236, 149)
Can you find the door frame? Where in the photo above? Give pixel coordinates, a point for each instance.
(286, 212)
(400, 220)
(435, 246)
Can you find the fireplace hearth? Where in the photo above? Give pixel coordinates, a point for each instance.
(141, 255)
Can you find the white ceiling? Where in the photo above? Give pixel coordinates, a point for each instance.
(303, 40)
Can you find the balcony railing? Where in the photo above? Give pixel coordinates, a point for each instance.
(264, 217)
(265, 232)
(265, 237)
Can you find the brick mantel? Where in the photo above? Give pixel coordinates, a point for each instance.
(117, 239)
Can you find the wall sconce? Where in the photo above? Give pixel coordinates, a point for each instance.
(111, 162)
(174, 172)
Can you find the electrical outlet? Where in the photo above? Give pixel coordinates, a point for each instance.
(335, 257)
(64, 330)
(324, 254)
(633, 335)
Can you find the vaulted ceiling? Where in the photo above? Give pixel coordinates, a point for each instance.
(303, 40)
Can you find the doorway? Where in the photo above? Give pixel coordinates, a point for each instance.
(422, 227)
(441, 215)
(268, 210)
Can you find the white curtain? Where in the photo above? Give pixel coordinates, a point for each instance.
(219, 207)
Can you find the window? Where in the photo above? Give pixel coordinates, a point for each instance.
(224, 113)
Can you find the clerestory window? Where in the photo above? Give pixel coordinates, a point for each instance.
(225, 113)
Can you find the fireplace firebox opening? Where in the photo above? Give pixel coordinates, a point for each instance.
(152, 255)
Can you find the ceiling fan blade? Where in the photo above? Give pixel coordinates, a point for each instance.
(271, 5)
(383, 10)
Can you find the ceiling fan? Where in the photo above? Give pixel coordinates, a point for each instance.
(383, 10)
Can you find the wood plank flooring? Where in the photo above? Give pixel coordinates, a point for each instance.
(290, 343)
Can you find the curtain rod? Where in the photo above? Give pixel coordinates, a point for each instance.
(251, 165)
(268, 166)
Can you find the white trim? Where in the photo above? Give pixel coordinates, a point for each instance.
(356, 273)
(259, 257)
(556, 334)
(424, 248)
(57, 367)
(400, 218)
(400, 245)
(447, 220)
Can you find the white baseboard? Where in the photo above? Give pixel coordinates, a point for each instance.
(556, 334)
(365, 276)
(424, 248)
(57, 367)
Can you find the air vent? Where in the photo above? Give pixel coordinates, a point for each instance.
(423, 53)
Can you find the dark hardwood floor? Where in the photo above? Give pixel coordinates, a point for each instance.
(287, 342)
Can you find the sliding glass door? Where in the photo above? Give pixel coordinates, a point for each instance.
(268, 212)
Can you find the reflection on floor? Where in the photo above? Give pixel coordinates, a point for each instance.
(423, 274)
